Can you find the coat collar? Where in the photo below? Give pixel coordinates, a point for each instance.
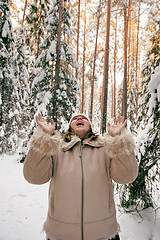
(75, 139)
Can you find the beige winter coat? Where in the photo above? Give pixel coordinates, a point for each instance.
(81, 203)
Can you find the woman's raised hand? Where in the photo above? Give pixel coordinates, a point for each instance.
(118, 126)
(44, 125)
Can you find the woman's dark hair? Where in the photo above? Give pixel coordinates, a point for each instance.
(68, 134)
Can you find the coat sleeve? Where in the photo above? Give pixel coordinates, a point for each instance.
(123, 163)
(41, 157)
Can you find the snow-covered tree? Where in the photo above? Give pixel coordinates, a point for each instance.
(9, 83)
(23, 75)
(132, 92)
(37, 12)
(141, 191)
(55, 88)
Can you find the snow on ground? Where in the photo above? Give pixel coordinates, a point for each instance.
(23, 209)
(22, 205)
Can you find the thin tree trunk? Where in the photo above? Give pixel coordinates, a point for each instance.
(38, 35)
(115, 65)
(2, 98)
(57, 66)
(112, 106)
(94, 61)
(78, 27)
(129, 39)
(84, 52)
(124, 103)
(133, 53)
(137, 52)
(25, 7)
(68, 37)
(106, 69)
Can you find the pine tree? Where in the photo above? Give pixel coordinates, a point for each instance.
(55, 92)
(9, 83)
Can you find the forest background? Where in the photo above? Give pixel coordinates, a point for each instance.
(98, 57)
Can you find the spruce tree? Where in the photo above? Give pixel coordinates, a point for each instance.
(10, 109)
(141, 191)
(55, 88)
(37, 12)
(23, 76)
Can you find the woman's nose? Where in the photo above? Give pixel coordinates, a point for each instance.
(79, 118)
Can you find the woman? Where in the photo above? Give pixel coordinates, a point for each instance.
(80, 167)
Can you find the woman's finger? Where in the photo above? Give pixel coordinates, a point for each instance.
(115, 120)
(39, 115)
(108, 124)
(52, 122)
(121, 119)
(125, 122)
(37, 120)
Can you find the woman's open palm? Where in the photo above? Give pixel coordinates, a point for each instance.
(44, 125)
(118, 126)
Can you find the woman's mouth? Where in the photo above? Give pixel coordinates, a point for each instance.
(80, 124)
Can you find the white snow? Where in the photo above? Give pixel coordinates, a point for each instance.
(155, 83)
(23, 208)
(22, 205)
(12, 114)
(52, 48)
(38, 78)
(6, 31)
(1, 132)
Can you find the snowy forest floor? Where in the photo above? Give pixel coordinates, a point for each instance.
(23, 208)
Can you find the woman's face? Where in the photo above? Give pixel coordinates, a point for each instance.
(80, 126)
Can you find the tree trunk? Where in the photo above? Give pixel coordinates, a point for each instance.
(94, 61)
(84, 52)
(68, 37)
(2, 98)
(78, 26)
(38, 35)
(115, 64)
(137, 52)
(124, 103)
(57, 66)
(25, 7)
(106, 69)
(129, 38)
